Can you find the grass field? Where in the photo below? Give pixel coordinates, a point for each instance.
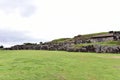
(58, 65)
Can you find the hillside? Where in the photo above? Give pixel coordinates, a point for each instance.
(107, 42)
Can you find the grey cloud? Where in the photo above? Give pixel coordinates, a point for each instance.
(11, 36)
(25, 7)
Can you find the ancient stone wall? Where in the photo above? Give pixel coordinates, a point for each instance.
(96, 48)
(101, 39)
(116, 35)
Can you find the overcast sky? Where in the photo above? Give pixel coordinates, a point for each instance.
(44, 20)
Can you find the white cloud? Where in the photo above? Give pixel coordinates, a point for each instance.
(24, 7)
(60, 18)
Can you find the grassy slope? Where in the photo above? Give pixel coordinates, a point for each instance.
(94, 34)
(57, 65)
(107, 43)
(61, 40)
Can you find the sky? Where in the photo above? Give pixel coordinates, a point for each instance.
(44, 20)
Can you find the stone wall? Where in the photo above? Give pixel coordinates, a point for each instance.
(96, 48)
(116, 35)
(101, 39)
(69, 47)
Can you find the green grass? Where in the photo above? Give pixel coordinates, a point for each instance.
(61, 40)
(87, 36)
(94, 34)
(108, 43)
(58, 65)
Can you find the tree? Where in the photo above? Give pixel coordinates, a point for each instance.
(1, 46)
(29, 43)
(41, 42)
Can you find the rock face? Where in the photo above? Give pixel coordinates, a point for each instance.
(96, 48)
(69, 48)
(107, 49)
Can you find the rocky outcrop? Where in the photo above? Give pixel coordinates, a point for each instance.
(107, 49)
(96, 48)
(45, 46)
